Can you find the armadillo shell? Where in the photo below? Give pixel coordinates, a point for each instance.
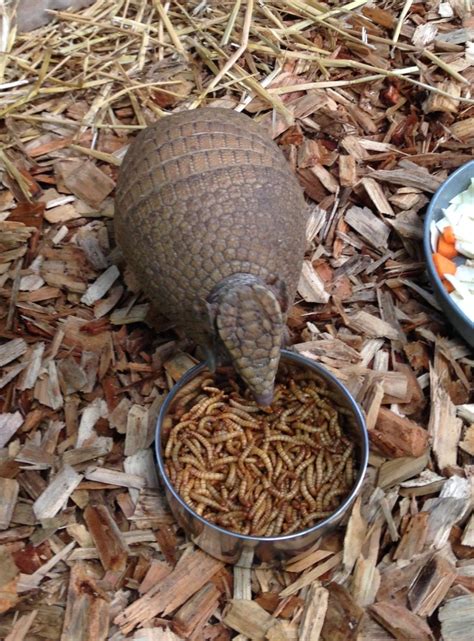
(202, 195)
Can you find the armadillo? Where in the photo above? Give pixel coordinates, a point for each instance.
(211, 221)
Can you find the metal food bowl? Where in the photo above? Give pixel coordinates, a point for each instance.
(228, 546)
(457, 182)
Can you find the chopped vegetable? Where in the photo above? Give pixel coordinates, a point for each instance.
(446, 249)
(452, 244)
(443, 265)
(447, 285)
(448, 235)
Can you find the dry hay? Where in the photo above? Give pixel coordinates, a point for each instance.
(371, 103)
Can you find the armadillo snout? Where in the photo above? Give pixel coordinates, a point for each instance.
(265, 399)
(250, 325)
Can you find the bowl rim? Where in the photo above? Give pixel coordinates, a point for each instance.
(429, 218)
(358, 415)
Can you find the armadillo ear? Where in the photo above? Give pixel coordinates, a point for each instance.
(250, 325)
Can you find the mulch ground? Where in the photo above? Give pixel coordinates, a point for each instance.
(372, 105)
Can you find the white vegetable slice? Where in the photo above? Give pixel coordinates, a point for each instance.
(434, 236)
(461, 288)
(466, 305)
(465, 273)
(464, 247)
(442, 223)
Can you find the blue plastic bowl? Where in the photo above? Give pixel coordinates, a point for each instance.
(457, 182)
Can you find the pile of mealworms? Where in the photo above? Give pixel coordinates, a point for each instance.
(260, 471)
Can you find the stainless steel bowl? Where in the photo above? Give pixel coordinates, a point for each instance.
(457, 182)
(229, 546)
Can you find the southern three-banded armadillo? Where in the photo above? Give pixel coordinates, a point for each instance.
(211, 221)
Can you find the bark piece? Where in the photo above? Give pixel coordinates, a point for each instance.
(370, 325)
(373, 230)
(343, 615)
(192, 572)
(12, 350)
(431, 586)
(112, 548)
(57, 493)
(457, 618)
(314, 613)
(87, 608)
(310, 285)
(137, 430)
(414, 537)
(444, 426)
(398, 470)
(396, 436)
(248, 618)
(190, 619)
(399, 621)
(312, 575)
(22, 627)
(86, 181)
(9, 424)
(9, 489)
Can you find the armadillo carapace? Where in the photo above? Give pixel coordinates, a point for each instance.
(211, 220)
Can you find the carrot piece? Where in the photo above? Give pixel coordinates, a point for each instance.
(448, 235)
(446, 249)
(447, 285)
(443, 265)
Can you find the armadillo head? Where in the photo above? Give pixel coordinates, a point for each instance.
(250, 324)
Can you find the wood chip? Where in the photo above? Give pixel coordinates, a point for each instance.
(87, 608)
(457, 618)
(396, 436)
(248, 618)
(56, 494)
(444, 427)
(9, 489)
(87, 182)
(314, 613)
(368, 225)
(111, 546)
(400, 622)
(101, 286)
(192, 572)
(370, 325)
(9, 424)
(12, 350)
(343, 615)
(431, 586)
(310, 286)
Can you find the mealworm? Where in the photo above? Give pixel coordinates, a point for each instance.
(306, 494)
(224, 436)
(316, 516)
(248, 409)
(320, 467)
(195, 449)
(265, 458)
(302, 466)
(263, 471)
(224, 461)
(310, 478)
(233, 416)
(199, 409)
(258, 503)
(207, 501)
(191, 460)
(209, 476)
(175, 452)
(284, 455)
(242, 491)
(213, 406)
